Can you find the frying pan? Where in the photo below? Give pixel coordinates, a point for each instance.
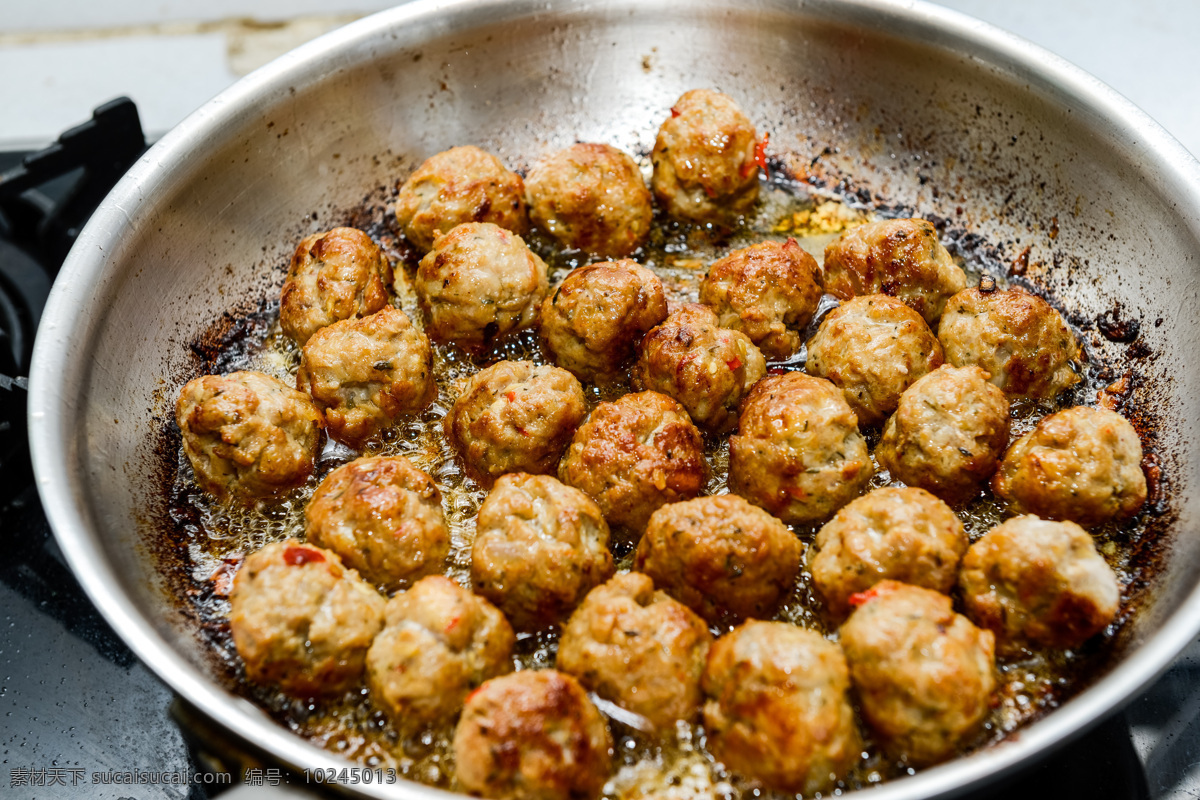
(901, 100)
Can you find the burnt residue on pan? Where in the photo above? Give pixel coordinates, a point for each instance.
(199, 547)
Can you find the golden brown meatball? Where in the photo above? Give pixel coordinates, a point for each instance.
(515, 416)
(336, 275)
(777, 709)
(635, 454)
(638, 648)
(462, 184)
(768, 291)
(900, 257)
(704, 160)
(924, 675)
(798, 452)
(873, 348)
(890, 533)
(532, 735)
(540, 547)
(591, 197)
(947, 434)
(439, 642)
(720, 556)
(1038, 583)
(364, 374)
(383, 516)
(1015, 336)
(480, 281)
(707, 369)
(247, 435)
(1083, 464)
(596, 316)
(301, 621)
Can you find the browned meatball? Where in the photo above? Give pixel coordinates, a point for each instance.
(777, 710)
(540, 547)
(301, 621)
(364, 374)
(768, 291)
(597, 315)
(635, 454)
(532, 735)
(1015, 336)
(462, 184)
(707, 369)
(704, 160)
(1083, 464)
(638, 648)
(383, 516)
(480, 281)
(336, 275)
(900, 257)
(247, 435)
(591, 197)
(1038, 583)
(798, 452)
(873, 348)
(720, 556)
(903, 534)
(439, 643)
(924, 675)
(515, 416)
(947, 434)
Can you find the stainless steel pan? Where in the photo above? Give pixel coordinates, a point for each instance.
(918, 104)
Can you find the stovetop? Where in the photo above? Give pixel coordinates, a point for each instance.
(82, 717)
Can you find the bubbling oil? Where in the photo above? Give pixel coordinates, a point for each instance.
(675, 765)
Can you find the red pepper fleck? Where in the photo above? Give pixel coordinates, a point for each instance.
(858, 598)
(453, 623)
(512, 396)
(760, 151)
(674, 112)
(778, 371)
(299, 556)
(734, 363)
(796, 492)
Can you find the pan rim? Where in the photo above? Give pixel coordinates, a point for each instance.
(56, 384)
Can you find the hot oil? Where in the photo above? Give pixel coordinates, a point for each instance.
(676, 765)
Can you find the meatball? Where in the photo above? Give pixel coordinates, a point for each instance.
(515, 416)
(768, 291)
(1015, 336)
(704, 158)
(777, 709)
(462, 184)
(720, 556)
(947, 434)
(336, 275)
(532, 735)
(1083, 464)
(1038, 583)
(598, 314)
(364, 374)
(706, 368)
(383, 516)
(540, 547)
(638, 648)
(924, 675)
(873, 347)
(301, 621)
(480, 281)
(634, 455)
(439, 642)
(890, 533)
(798, 452)
(900, 257)
(247, 435)
(591, 197)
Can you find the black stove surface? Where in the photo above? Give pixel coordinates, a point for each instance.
(82, 717)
